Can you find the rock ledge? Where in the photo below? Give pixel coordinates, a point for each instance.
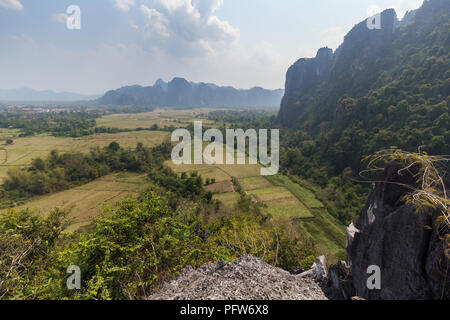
(247, 278)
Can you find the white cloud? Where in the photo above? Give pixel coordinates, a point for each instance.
(133, 25)
(207, 8)
(373, 10)
(187, 27)
(11, 4)
(124, 5)
(22, 37)
(183, 38)
(60, 17)
(156, 22)
(172, 5)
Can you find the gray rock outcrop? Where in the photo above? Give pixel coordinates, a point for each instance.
(247, 278)
(410, 249)
(318, 271)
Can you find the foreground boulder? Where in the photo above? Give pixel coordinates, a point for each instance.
(410, 249)
(247, 278)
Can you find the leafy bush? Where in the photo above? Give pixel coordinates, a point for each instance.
(28, 254)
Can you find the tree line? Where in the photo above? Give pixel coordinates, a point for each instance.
(63, 171)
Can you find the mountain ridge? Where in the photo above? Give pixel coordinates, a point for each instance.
(180, 92)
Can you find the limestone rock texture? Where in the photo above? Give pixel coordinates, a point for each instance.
(411, 250)
(247, 278)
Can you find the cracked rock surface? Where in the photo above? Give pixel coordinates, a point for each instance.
(247, 278)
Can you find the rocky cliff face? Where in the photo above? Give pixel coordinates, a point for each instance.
(411, 250)
(315, 85)
(180, 92)
(302, 79)
(367, 60)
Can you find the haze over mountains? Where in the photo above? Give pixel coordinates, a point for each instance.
(26, 94)
(181, 93)
(176, 93)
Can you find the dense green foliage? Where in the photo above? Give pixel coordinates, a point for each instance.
(145, 242)
(67, 124)
(27, 254)
(189, 186)
(131, 251)
(70, 123)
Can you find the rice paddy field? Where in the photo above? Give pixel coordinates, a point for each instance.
(8, 133)
(25, 149)
(253, 183)
(281, 198)
(88, 201)
(160, 117)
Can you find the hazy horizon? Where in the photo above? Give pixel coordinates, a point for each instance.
(235, 43)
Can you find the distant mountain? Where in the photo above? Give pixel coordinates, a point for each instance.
(26, 94)
(180, 92)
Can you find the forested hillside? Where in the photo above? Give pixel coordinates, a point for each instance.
(381, 88)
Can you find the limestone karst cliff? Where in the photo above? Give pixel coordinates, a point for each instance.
(411, 249)
(369, 60)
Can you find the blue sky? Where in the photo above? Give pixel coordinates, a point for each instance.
(243, 43)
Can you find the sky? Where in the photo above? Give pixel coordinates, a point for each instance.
(240, 43)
